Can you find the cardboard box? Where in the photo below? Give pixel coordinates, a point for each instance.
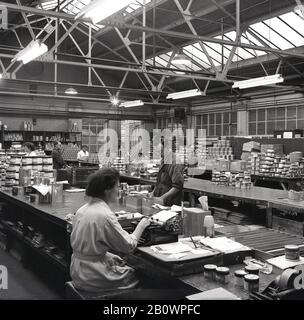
(278, 148)
(194, 221)
(146, 207)
(238, 165)
(251, 146)
(221, 165)
(245, 155)
(133, 203)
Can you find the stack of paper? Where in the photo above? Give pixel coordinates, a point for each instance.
(171, 248)
(223, 244)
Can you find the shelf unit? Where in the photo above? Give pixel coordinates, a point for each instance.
(39, 137)
(55, 234)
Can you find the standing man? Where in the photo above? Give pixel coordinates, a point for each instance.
(58, 162)
(83, 154)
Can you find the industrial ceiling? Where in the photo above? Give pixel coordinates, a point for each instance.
(129, 55)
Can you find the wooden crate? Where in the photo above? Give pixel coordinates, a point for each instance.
(288, 225)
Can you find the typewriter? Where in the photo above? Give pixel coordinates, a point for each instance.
(161, 232)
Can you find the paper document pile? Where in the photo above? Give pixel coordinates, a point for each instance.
(177, 250)
(223, 244)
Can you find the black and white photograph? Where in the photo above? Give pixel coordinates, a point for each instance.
(151, 156)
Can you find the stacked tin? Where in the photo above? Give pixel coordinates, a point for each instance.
(266, 165)
(221, 149)
(12, 171)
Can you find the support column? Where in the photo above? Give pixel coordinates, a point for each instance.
(242, 123)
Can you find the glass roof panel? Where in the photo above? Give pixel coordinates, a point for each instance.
(214, 54)
(197, 55)
(295, 21)
(248, 37)
(265, 30)
(283, 33)
(75, 6)
(250, 52)
(287, 32)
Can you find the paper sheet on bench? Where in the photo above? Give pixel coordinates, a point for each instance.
(282, 263)
(172, 248)
(178, 249)
(43, 189)
(223, 244)
(214, 294)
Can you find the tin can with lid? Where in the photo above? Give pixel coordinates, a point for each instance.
(251, 282)
(239, 277)
(252, 269)
(209, 271)
(222, 275)
(47, 160)
(27, 160)
(292, 252)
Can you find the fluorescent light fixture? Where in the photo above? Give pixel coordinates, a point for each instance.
(256, 82)
(99, 10)
(181, 59)
(0, 75)
(34, 50)
(134, 103)
(185, 94)
(71, 91)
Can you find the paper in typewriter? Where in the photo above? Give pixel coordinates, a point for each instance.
(164, 215)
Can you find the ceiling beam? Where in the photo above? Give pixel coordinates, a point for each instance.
(168, 33)
(136, 70)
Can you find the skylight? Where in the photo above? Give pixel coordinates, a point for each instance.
(75, 6)
(282, 32)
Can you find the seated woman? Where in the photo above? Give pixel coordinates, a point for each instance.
(96, 231)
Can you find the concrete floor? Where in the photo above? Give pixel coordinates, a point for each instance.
(23, 284)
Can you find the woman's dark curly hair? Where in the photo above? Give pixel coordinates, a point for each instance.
(100, 181)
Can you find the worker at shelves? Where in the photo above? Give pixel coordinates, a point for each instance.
(58, 162)
(83, 154)
(96, 231)
(170, 180)
(29, 148)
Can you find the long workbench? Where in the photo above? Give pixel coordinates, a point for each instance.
(197, 187)
(285, 183)
(51, 218)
